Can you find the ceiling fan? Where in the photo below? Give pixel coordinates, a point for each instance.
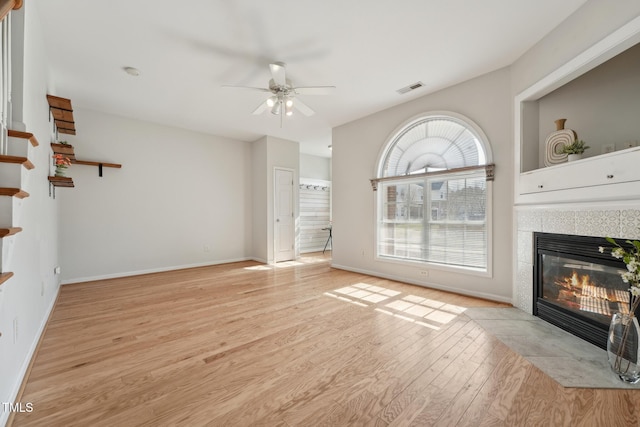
(281, 102)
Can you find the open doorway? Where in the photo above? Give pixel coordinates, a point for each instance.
(315, 216)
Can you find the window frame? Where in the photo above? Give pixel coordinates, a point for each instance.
(389, 144)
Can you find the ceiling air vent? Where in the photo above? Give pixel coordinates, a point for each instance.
(410, 88)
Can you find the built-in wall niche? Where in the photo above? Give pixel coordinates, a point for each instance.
(598, 92)
(601, 106)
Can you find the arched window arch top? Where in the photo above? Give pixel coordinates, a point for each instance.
(434, 142)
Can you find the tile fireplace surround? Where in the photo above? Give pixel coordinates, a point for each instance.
(614, 220)
(599, 219)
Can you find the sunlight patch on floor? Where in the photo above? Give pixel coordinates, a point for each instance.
(411, 308)
(305, 259)
(261, 267)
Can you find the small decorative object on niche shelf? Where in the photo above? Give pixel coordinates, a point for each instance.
(555, 143)
(623, 344)
(574, 150)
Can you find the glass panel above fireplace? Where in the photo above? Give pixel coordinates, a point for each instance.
(592, 290)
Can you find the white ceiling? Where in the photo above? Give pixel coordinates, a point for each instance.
(186, 51)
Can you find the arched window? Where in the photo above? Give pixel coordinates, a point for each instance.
(433, 193)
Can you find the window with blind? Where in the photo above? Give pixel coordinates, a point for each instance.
(433, 194)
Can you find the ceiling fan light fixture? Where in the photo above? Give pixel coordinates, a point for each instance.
(288, 107)
(277, 107)
(282, 92)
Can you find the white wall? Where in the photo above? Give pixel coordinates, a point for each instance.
(181, 199)
(587, 26)
(356, 146)
(260, 200)
(28, 296)
(315, 167)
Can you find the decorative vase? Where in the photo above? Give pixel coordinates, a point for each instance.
(622, 347)
(572, 157)
(60, 171)
(556, 141)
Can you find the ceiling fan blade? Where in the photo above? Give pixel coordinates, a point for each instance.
(278, 73)
(302, 107)
(260, 89)
(314, 90)
(260, 109)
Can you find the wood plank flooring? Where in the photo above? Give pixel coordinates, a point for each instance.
(302, 344)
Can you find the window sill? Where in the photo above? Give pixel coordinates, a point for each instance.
(425, 265)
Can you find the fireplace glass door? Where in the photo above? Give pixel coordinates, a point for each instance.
(594, 291)
(576, 287)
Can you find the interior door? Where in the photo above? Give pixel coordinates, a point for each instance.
(284, 227)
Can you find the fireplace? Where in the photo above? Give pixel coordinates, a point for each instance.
(576, 287)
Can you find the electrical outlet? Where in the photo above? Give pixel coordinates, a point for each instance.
(206, 248)
(56, 270)
(424, 273)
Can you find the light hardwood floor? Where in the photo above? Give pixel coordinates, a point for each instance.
(298, 345)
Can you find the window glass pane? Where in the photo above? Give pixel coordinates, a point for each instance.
(400, 232)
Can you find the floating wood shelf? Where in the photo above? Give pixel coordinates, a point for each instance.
(24, 135)
(92, 163)
(5, 276)
(100, 165)
(61, 181)
(64, 149)
(13, 192)
(62, 114)
(17, 160)
(4, 232)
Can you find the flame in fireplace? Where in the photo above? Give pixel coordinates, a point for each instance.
(579, 292)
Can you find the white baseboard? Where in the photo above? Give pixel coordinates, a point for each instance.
(483, 295)
(152, 270)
